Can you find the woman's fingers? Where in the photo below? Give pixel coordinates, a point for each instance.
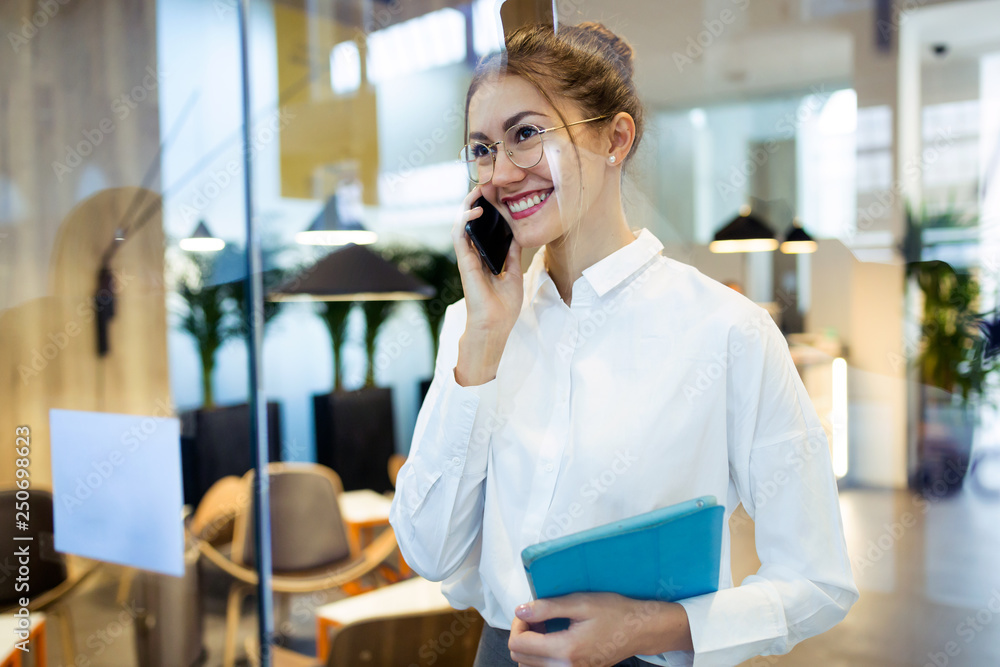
(466, 255)
(513, 262)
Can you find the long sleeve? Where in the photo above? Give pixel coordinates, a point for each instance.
(780, 466)
(437, 509)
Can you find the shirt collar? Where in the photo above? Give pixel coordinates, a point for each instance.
(606, 274)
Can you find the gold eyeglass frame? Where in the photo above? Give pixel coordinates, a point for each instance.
(493, 151)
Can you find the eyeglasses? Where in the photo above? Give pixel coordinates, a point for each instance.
(522, 143)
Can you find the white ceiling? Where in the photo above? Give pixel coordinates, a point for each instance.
(969, 29)
(763, 48)
(770, 46)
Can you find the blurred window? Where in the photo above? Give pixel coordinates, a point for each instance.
(429, 41)
(345, 68)
(486, 30)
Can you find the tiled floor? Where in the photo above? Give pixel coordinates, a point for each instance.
(929, 574)
(926, 589)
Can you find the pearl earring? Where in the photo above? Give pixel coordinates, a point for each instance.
(611, 159)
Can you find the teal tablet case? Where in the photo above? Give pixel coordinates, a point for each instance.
(668, 554)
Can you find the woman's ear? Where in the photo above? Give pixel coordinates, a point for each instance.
(621, 135)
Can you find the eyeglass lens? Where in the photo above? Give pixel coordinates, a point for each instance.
(523, 144)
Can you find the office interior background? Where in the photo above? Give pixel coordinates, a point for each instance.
(869, 130)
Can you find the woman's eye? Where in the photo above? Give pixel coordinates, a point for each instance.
(525, 132)
(479, 151)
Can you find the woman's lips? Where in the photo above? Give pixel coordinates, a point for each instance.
(518, 215)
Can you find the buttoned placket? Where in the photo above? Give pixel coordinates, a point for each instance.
(559, 433)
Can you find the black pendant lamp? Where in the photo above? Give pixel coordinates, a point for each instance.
(353, 273)
(745, 233)
(201, 240)
(329, 228)
(797, 240)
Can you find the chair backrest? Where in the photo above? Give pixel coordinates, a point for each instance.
(307, 530)
(216, 514)
(441, 638)
(48, 567)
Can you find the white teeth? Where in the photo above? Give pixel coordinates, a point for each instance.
(527, 202)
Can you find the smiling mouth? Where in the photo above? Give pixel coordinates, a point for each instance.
(528, 205)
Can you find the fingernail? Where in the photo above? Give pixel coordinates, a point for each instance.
(523, 611)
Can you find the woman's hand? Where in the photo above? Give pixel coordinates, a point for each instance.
(492, 302)
(605, 628)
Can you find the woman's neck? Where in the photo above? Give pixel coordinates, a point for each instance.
(597, 235)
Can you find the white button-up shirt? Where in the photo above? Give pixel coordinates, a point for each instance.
(657, 385)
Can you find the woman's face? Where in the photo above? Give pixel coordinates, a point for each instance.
(510, 100)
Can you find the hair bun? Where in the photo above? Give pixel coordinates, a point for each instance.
(612, 46)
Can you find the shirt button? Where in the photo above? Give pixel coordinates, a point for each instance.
(455, 461)
(549, 468)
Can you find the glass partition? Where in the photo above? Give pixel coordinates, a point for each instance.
(133, 138)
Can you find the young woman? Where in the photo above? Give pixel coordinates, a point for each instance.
(604, 382)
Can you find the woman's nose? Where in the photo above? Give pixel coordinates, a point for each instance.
(505, 171)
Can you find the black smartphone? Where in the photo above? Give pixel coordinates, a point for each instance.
(491, 235)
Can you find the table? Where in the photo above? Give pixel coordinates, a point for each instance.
(10, 656)
(363, 512)
(413, 596)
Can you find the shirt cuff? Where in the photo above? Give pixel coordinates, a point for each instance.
(724, 632)
(473, 415)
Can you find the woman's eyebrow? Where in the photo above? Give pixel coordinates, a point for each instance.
(509, 123)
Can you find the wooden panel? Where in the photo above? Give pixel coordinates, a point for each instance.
(84, 81)
(323, 128)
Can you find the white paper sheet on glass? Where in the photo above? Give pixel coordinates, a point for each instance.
(117, 486)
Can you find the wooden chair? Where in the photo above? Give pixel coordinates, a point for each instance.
(309, 546)
(444, 639)
(280, 656)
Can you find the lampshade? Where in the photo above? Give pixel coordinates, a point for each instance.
(745, 233)
(353, 273)
(330, 229)
(202, 240)
(798, 240)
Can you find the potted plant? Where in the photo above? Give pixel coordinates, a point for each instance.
(215, 440)
(439, 270)
(334, 315)
(354, 429)
(955, 358)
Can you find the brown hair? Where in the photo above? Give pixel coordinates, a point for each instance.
(585, 63)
